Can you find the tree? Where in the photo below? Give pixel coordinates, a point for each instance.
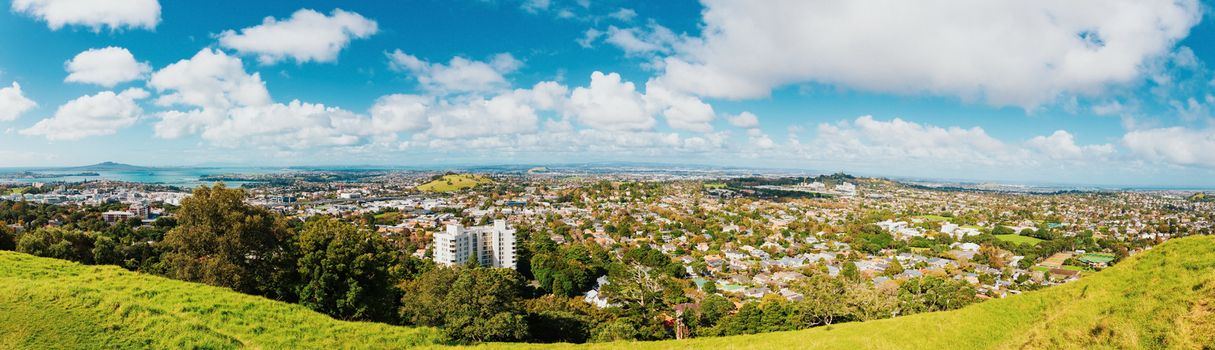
(59, 243)
(635, 284)
(850, 272)
(1002, 230)
(821, 303)
(710, 287)
(866, 302)
(554, 318)
(424, 297)
(992, 256)
(484, 305)
(931, 293)
(568, 270)
(8, 238)
(222, 241)
(894, 268)
(344, 271)
(713, 308)
(470, 304)
(872, 239)
(617, 330)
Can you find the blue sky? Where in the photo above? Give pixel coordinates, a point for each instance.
(1092, 92)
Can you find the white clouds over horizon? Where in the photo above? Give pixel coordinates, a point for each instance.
(1174, 145)
(610, 103)
(870, 142)
(94, 14)
(458, 75)
(1061, 145)
(295, 125)
(209, 79)
(106, 67)
(1003, 53)
(94, 115)
(230, 107)
(307, 36)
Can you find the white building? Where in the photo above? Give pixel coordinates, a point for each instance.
(115, 216)
(492, 246)
(846, 188)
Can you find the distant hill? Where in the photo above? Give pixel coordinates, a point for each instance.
(1162, 298)
(454, 182)
(109, 166)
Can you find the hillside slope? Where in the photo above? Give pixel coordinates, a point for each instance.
(1164, 298)
(57, 304)
(454, 182)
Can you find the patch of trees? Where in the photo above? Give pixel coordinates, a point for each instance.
(469, 303)
(827, 300)
(873, 239)
(567, 270)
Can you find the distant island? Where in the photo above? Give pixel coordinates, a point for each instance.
(109, 166)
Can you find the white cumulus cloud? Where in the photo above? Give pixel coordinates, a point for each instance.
(13, 103)
(639, 41)
(295, 125)
(1061, 145)
(458, 75)
(745, 120)
(306, 36)
(401, 112)
(213, 83)
(682, 111)
(1005, 53)
(210, 79)
(94, 14)
(1174, 145)
(107, 67)
(502, 114)
(610, 103)
(94, 115)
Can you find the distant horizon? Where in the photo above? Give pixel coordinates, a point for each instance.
(655, 165)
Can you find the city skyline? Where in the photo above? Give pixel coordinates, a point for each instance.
(1086, 92)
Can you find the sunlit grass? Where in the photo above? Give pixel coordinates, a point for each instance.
(1019, 239)
(55, 304)
(454, 182)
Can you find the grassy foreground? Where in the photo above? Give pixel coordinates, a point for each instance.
(454, 182)
(1164, 298)
(56, 304)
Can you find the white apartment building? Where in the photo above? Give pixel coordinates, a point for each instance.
(492, 245)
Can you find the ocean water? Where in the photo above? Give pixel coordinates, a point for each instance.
(181, 177)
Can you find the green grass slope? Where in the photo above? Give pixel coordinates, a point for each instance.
(454, 182)
(1160, 299)
(56, 304)
(1019, 239)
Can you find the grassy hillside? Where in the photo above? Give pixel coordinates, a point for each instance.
(454, 182)
(56, 304)
(1164, 298)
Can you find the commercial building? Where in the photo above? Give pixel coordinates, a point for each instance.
(491, 245)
